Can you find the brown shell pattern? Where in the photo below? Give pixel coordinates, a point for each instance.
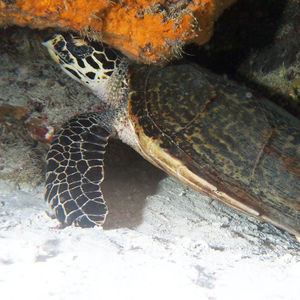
(245, 149)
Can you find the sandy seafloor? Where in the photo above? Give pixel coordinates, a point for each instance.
(161, 240)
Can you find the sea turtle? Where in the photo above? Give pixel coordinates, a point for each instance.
(209, 132)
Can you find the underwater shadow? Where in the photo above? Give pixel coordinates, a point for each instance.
(247, 26)
(129, 180)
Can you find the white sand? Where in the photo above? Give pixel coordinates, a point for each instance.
(185, 247)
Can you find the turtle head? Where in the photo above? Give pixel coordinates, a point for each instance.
(97, 66)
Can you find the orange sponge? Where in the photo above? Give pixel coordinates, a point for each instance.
(146, 30)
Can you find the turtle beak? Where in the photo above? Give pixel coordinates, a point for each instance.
(51, 45)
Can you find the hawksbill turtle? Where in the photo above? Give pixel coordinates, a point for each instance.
(210, 133)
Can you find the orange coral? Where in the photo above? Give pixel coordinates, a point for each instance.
(145, 30)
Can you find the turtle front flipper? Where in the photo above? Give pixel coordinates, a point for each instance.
(75, 172)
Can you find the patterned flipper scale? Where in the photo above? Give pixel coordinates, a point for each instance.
(75, 172)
